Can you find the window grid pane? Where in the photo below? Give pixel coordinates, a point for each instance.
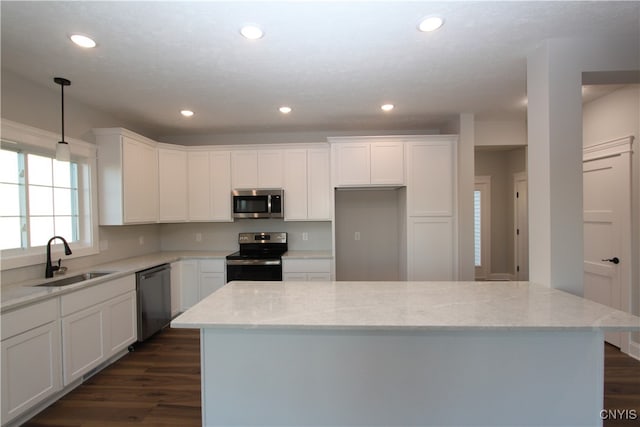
(477, 227)
(40, 198)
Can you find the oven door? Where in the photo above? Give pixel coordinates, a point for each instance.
(254, 269)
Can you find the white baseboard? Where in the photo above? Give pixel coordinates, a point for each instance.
(501, 276)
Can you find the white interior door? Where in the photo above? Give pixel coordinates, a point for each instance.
(607, 228)
(521, 225)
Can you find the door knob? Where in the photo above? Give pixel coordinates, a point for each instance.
(614, 260)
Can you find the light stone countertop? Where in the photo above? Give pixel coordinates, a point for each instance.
(23, 293)
(419, 306)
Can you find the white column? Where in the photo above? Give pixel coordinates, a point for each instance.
(466, 172)
(554, 81)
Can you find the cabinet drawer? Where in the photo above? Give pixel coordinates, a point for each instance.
(212, 266)
(26, 318)
(96, 294)
(307, 266)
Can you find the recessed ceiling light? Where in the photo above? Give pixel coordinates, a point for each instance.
(285, 109)
(252, 32)
(187, 113)
(83, 41)
(430, 23)
(387, 107)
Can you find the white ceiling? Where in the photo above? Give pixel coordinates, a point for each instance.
(334, 62)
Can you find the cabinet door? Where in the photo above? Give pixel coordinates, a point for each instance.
(319, 184)
(199, 186)
(352, 164)
(140, 181)
(176, 286)
(431, 251)
(83, 341)
(122, 318)
(31, 369)
(319, 277)
(387, 163)
(294, 277)
(189, 284)
(244, 169)
(172, 177)
(210, 282)
(431, 178)
(270, 169)
(220, 166)
(295, 185)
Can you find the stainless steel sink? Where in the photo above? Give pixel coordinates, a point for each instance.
(76, 279)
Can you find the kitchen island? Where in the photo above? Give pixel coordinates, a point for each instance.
(401, 353)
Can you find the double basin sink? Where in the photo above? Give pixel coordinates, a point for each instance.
(66, 281)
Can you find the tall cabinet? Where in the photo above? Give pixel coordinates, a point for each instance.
(432, 238)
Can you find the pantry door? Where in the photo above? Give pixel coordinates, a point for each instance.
(607, 227)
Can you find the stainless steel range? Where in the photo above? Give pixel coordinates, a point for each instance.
(259, 257)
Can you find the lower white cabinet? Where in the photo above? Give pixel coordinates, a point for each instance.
(432, 251)
(31, 368)
(200, 278)
(306, 270)
(97, 323)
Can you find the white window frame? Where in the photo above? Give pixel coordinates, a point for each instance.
(16, 136)
(483, 184)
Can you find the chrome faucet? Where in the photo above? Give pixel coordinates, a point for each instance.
(51, 268)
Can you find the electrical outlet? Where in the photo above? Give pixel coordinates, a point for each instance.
(141, 240)
(357, 235)
(198, 237)
(305, 236)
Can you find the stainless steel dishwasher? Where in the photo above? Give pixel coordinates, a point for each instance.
(153, 288)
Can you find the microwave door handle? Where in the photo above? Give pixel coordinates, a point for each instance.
(269, 204)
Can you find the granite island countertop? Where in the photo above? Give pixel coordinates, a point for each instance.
(419, 306)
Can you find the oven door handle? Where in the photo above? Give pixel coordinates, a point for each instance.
(256, 262)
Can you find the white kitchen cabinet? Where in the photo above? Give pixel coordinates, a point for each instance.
(359, 162)
(172, 181)
(97, 323)
(209, 185)
(319, 189)
(31, 357)
(256, 168)
(199, 279)
(307, 185)
(189, 284)
(431, 176)
(212, 276)
(220, 167)
(431, 251)
(127, 177)
(306, 270)
(176, 287)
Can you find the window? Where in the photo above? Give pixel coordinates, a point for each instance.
(42, 197)
(40, 200)
(482, 226)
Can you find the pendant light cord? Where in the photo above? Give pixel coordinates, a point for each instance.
(62, 109)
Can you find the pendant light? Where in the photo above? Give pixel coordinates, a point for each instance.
(63, 153)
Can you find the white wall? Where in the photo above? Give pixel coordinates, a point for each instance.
(613, 116)
(500, 132)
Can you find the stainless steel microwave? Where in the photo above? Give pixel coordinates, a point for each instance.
(262, 203)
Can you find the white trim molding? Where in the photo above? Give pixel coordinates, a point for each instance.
(615, 147)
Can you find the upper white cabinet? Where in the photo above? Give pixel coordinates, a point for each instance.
(172, 181)
(128, 177)
(307, 184)
(431, 176)
(362, 162)
(209, 185)
(256, 169)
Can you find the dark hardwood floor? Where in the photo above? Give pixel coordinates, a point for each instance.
(159, 384)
